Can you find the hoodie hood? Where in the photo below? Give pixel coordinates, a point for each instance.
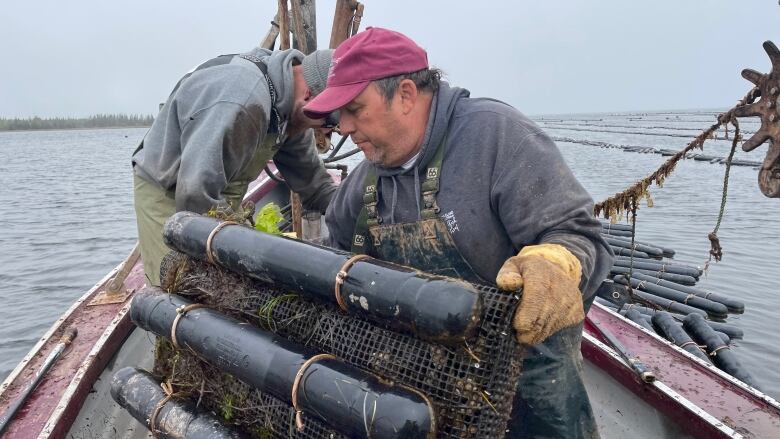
(280, 72)
(442, 107)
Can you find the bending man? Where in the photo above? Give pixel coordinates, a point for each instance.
(221, 124)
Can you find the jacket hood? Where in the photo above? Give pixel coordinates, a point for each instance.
(442, 107)
(280, 72)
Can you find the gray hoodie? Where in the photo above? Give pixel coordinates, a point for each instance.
(215, 123)
(504, 185)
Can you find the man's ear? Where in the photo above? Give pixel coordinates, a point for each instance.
(407, 92)
(308, 95)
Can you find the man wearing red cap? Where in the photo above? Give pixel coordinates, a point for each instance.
(469, 187)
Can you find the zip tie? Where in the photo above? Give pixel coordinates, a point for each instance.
(180, 311)
(688, 297)
(342, 274)
(298, 376)
(213, 233)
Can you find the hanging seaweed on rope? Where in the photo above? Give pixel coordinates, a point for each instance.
(627, 201)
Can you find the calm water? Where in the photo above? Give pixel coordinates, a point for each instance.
(67, 219)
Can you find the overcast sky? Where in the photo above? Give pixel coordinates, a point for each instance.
(87, 56)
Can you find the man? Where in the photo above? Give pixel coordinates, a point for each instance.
(221, 124)
(458, 186)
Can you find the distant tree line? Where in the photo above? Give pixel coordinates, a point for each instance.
(57, 123)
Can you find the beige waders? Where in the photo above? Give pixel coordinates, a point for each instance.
(153, 206)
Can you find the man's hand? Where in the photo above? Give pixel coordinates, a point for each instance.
(550, 277)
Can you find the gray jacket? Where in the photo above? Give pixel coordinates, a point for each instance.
(504, 185)
(215, 124)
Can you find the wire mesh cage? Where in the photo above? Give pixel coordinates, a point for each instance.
(471, 386)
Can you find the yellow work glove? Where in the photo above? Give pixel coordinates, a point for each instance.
(550, 277)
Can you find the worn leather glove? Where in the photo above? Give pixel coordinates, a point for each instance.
(550, 277)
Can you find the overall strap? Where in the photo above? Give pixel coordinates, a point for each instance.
(274, 122)
(430, 187)
(369, 216)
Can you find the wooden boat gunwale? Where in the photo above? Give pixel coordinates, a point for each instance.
(674, 393)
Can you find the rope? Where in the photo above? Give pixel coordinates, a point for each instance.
(622, 201)
(168, 389)
(715, 351)
(180, 311)
(635, 297)
(209, 252)
(342, 274)
(716, 251)
(298, 376)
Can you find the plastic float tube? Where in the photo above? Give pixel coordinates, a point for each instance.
(715, 309)
(435, 308)
(719, 351)
(137, 392)
(354, 402)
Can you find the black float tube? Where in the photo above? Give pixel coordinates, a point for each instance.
(672, 331)
(657, 266)
(620, 251)
(353, 402)
(137, 392)
(726, 329)
(666, 262)
(638, 318)
(722, 356)
(617, 242)
(619, 294)
(435, 308)
(667, 252)
(620, 233)
(669, 305)
(609, 226)
(642, 315)
(732, 305)
(677, 278)
(712, 308)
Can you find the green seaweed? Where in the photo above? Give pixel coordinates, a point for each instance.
(227, 407)
(268, 219)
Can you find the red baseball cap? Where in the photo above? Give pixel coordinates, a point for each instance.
(375, 53)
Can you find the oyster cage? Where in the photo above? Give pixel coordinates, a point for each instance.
(471, 387)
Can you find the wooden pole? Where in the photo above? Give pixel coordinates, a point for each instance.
(300, 39)
(284, 26)
(309, 13)
(304, 25)
(299, 36)
(342, 21)
(273, 32)
(356, 19)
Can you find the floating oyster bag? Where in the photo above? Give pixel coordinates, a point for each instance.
(471, 386)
